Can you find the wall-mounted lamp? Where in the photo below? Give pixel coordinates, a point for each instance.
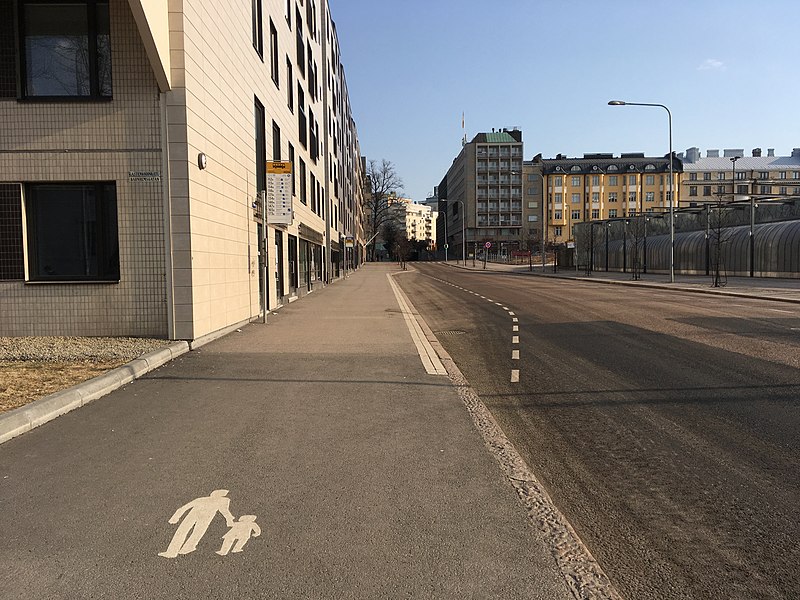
(202, 161)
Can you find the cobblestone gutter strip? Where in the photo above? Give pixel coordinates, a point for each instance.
(25, 418)
(584, 575)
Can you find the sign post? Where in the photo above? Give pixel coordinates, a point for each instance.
(486, 247)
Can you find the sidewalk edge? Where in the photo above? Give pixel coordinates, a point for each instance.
(43, 410)
(581, 571)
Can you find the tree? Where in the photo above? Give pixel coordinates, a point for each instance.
(381, 181)
(391, 234)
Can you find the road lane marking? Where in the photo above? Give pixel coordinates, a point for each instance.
(514, 375)
(515, 339)
(515, 320)
(510, 314)
(515, 328)
(515, 355)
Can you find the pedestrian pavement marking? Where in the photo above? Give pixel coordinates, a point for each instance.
(196, 516)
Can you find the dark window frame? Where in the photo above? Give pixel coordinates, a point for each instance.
(107, 258)
(274, 65)
(258, 28)
(93, 69)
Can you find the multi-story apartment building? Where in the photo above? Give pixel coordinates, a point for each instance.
(714, 177)
(416, 221)
(133, 164)
(602, 186)
(481, 194)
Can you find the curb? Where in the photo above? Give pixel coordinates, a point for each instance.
(654, 286)
(39, 412)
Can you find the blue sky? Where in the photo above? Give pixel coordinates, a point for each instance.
(728, 71)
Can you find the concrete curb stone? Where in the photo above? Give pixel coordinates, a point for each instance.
(25, 418)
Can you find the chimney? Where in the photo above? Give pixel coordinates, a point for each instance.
(731, 152)
(756, 152)
(795, 152)
(712, 153)
(770, 151)
(692, 155)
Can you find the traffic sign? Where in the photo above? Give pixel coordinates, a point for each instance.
(446, 246)
(487, 245)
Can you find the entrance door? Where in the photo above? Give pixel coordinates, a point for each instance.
(279, 266)
(293, 266)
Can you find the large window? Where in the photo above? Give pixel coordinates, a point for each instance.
(258, 28)
(273, 56)
(66, 49)
(72, 231)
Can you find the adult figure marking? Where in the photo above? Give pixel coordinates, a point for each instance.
(201, 511)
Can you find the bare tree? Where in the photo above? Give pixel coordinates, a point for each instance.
(381, 181)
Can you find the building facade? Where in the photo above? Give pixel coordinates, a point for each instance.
(713, 178)
(602, 186)
(481, 196)
(416, 221)
(133, 164)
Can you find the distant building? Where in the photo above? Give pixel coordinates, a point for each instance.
(715, 177)
(481, 195)
(416, 221)
(602, 186)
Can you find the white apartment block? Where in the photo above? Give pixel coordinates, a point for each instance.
(417, 221)
(133, 160)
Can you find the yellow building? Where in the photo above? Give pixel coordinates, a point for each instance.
(601, 186)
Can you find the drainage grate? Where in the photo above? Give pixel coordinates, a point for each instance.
(451, 332)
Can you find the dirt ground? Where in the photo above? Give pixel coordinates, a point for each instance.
(24, 382)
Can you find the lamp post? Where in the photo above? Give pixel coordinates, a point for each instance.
(671, 194)
(463, 234)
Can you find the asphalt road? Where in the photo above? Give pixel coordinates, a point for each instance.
(664, 424)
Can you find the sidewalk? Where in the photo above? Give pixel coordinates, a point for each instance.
(783, 290)
(366, 471)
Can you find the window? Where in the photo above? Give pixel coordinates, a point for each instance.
(742, 189)
(763, 175)
(595, 213)
(289, 84)
(612, 180)
(612, 212)
(783, 190)
(557, 215)
(72, 231)
(261, 147)
(692, 176)
(721, 175)
(558, 181)
(706, 190)
(294, 171)
(649, 196)
(742, 175)
(795, 174)
(558, 198)
(301, 116)
(576, 214)
(276, 141)
(532, 191)
(632, 180)
(303, 190)
(595, 197)
(258, 31)
(301, 46)
(576, 181)
(576, 198)
(273, 58)
(693, 190)
(557, 231)
(12, 261)
(595, 179)
(651, 180)
(533, 205)
(612, 196)
(632, 197)
(766, 189)
(289, 13)
(781, 175)
(66, 49)
(532, 218)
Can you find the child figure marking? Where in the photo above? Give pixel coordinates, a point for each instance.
(238, 534)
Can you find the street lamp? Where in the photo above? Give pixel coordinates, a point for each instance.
(671, 195)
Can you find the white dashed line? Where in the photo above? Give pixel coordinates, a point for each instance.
(515, 355)
(514, 375)
(515, 339)
(510, 313)
(515, 320)
(515, 328)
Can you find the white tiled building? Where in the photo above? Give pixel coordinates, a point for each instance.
(133, 149)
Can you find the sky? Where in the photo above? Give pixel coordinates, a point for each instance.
(728, 71)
